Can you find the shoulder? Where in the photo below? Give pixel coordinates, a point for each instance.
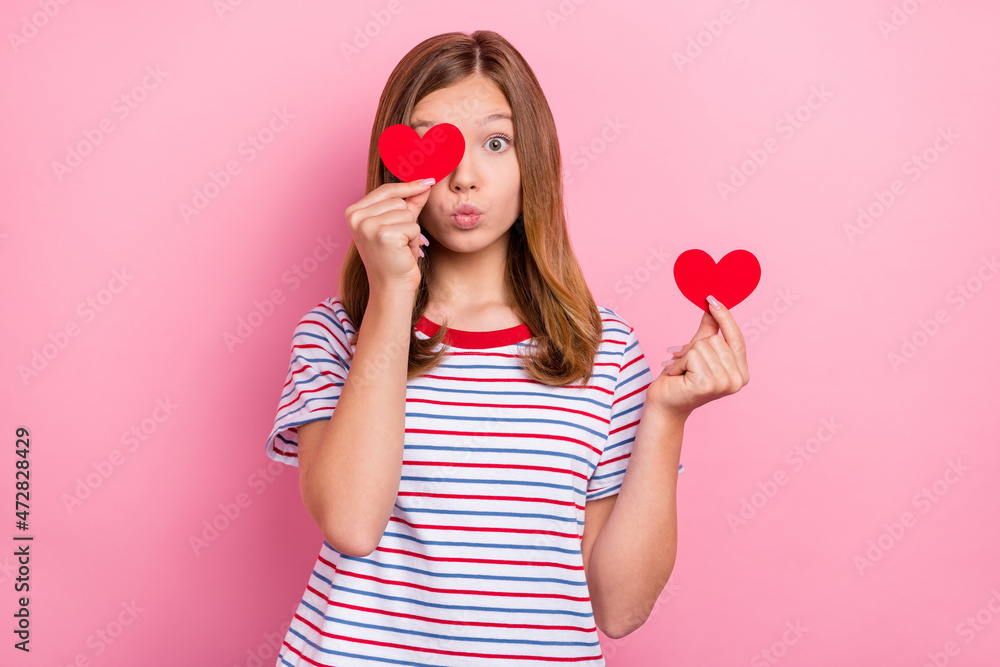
(617, 330)
(327, 321)
(620, 342)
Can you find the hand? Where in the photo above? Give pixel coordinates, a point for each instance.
(712, 365)
(385, 230)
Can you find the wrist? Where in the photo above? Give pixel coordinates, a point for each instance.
(671, 416)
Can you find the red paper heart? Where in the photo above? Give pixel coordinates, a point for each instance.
(730, 281)
(411, 157)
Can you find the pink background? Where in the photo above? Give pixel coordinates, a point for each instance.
(646, 142)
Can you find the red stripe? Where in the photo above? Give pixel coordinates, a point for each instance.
(428, 619)
(519, 380)
(491, 561)
(295, 399)
(496, 466)
(620, 458)
(543, 436)
(508, 405)
(452, 591)
(484, 529)
(462, 496)
(439, 651)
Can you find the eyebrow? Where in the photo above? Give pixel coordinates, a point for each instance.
(493, 117)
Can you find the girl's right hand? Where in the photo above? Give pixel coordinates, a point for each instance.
(384, 226)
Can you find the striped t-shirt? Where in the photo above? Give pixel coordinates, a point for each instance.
(480, 563)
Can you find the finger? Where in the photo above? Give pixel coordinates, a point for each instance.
(416, 202)
(384, 206)
(729, 369)
(709, 326)
(389, 190)
(409, 232)
(681, 365)
(734, 337)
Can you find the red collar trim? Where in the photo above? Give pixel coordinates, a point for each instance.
(476, 340)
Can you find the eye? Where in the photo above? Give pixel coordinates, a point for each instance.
(496, 139)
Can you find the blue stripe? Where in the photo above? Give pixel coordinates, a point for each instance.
(438, 605)
(548, 517)
(373, 626)
(504, 450)
(358, 655)
(508, 420)
(531, 394)
(456, 575)
(492, 481)
(478, 545)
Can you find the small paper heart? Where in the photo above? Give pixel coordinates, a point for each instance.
(730, 281)
(410, 157)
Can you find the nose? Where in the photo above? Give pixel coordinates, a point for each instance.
(465, 177)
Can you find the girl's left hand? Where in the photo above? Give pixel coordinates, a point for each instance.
(712, 365)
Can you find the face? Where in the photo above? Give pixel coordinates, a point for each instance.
(488, 177)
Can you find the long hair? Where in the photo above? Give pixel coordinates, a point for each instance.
(542, 275)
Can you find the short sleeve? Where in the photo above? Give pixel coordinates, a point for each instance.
(317, 369)
(634, 377)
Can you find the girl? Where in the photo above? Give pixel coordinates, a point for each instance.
(463, 415)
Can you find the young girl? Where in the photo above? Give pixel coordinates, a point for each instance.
(463, 415)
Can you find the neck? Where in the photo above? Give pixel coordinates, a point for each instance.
(469, 280)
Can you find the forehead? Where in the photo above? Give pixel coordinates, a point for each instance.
(468, 100)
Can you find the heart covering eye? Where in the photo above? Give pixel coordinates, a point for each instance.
(730, 281)
(410, 157)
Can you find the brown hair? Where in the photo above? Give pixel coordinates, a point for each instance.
(542, 275)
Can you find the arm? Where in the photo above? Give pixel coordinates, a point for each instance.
(633, 554)
(350, 465)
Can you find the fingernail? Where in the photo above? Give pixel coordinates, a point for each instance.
(675, 348)
(426, 181)
(715, 304)
(667, 364)
(424, 240)
(421, 251)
